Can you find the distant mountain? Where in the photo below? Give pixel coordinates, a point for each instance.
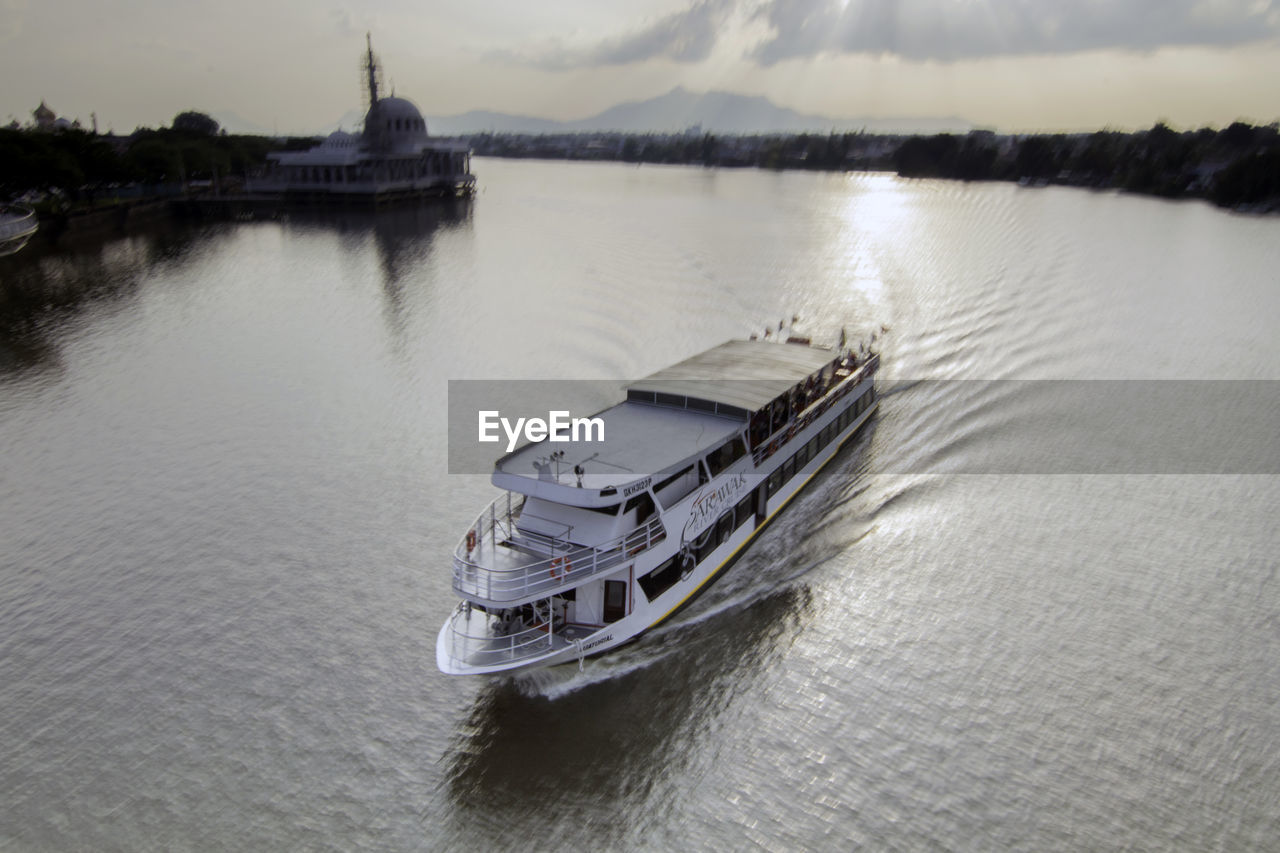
(680, 109)
(677, 110)
(479, 121)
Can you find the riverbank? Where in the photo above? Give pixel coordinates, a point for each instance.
(106, 220)
(1237, 167)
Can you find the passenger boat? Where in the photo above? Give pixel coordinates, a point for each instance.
(593, 544)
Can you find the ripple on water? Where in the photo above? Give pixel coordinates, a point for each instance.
(227, 531)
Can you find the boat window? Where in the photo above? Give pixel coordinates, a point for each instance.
(615, 600)
(664, 399)
(675, 487)
(724, 526)
(743, 512)
(725, 455)
(788, 469)
(661, 579)
(802, 457)
(813, 448)
(779, 410)
(775, 481)
(612, 509)
(759, 427)
(642, 502)
(707, 543)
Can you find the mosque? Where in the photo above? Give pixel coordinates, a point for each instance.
(392, 158)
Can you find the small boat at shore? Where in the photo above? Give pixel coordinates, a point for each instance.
(595, 543)
(18, 224)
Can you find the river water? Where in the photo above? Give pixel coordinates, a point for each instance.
(228, 523)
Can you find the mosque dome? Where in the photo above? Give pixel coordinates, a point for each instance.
(395, 124)
(340, 139)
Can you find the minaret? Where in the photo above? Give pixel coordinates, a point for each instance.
(371, 68)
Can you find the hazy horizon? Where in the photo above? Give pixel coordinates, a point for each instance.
(1009, 65)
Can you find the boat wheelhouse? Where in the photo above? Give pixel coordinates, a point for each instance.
(593, 544)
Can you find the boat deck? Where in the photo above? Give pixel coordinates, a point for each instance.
(470, 640)
(639, 440)
(500, 564)
(745, 375)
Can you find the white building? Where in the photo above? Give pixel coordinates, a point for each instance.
(392, 157)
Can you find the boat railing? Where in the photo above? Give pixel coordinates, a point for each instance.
(549, 543)
(791, 428)
(487, 647)
(479, 574)
(496, 523)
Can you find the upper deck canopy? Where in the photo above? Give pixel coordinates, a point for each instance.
(741, 375)
(670, 417)
(639, 441)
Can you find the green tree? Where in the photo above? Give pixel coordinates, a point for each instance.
(1252, 179)
(196, 123)
(1035, 159)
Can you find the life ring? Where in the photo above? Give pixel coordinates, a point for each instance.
(558, 565)
(471, 540)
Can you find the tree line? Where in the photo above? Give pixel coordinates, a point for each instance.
(1235, 166)
(80, 164)
(1238, 165)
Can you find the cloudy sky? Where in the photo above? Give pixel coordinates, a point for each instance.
(293, 65)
